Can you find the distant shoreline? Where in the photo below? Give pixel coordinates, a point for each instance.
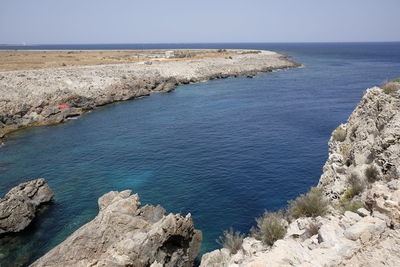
(88, 79)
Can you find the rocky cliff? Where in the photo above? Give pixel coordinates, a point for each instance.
(18, 207)
(126, 234)
(361, 180)
(47, 96)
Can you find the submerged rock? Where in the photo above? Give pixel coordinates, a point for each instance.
(19, 206)
(124, 234)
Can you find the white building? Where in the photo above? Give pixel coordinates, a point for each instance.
(169, 54)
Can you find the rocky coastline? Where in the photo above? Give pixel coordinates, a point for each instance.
(360, 182)
(126, 234)
(54, 95)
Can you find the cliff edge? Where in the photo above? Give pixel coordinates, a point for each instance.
(360, 181)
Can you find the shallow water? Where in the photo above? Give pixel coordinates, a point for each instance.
(224, 150)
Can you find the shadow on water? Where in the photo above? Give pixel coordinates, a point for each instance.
(16, 249)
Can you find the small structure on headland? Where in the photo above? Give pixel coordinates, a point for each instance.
(169, 54)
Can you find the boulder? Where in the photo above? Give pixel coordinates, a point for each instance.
(124, 234)
(367, 225)
(18, 207)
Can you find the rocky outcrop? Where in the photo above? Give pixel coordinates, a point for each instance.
(18, 207)
(48, 96)
(361, 228)
(125, 234)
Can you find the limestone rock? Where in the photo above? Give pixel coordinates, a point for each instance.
(18, 207)
(124, 234)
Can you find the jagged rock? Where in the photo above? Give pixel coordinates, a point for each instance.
(18, 207)
(124, 234)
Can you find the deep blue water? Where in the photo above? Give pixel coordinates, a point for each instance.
(224, 150)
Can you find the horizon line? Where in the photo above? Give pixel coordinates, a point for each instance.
(154, 43)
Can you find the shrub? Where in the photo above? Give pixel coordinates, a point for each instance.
(311, 230)
(372, 173)
(356, 186)
(391, 88)
(231, 240)
(397, 80)
(353, 205)
(348, 195)
(345, 152)
(339, 134)
(251, 52)
(184, 55)
(270, 227)
(312, 204)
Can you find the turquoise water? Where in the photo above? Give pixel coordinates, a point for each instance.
(224, 150)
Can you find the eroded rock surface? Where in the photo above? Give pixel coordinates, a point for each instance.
(367, 236)
(19, 205)
(125, 234)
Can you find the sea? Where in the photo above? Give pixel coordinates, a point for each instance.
(223, 150)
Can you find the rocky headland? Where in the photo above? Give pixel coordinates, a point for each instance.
(19, 206)
(360, 223)
(53, 95)
(126, 234)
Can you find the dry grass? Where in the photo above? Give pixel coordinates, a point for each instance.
(231, 240)
(353, 206)
(270, 227)
(339, 134)
(356, 186)
(40, 59)
(372, 174)
(391, 88)
(312, 204)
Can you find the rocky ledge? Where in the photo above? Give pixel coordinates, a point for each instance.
(125, 234)
(18, 207)
(361, 226)
(48, 96)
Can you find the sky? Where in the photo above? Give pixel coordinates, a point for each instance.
(202, 21)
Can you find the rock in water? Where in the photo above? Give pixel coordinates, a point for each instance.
(124, 234)
(19, 206)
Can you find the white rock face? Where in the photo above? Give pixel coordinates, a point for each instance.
(124, 234)
(368, 237)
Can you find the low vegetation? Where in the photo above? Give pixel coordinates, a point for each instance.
(312, 204)
(345, 150)
(391, 87)
(356, 186)
(353, 205)
(231, 240)
(312, 229)
(372, 174)
(339, 134)
(184, 55)
(251, 52)
(270, 227)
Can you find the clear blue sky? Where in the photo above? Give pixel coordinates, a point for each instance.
(175, 21)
